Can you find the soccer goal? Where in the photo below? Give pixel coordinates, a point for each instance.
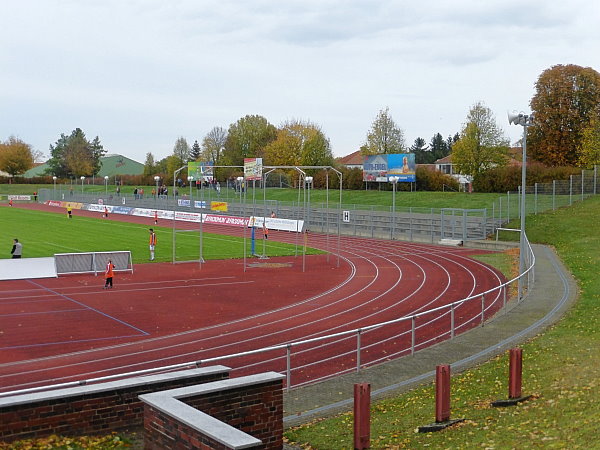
(187, 246)
(92, 262)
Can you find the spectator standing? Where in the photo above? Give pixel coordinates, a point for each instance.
(17, 249)
(108, 275)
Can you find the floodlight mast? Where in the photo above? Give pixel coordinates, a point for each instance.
(524, 120)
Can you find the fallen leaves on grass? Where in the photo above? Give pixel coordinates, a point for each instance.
(70, 443)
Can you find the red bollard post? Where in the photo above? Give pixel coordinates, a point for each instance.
(442, 393)
(442, 402)
(362, 416)
(515, 375)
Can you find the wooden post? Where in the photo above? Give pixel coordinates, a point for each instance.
(442, 393)
(362, 416)
(515, 373)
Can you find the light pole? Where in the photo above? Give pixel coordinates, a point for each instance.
(524, 120)
(308, 181)
(394, 181)
(240, 180)
(106, 185)
(54, 179)
(82, 178)
(156, 180)
(190, 180)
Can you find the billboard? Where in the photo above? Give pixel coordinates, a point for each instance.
(253, 168)
(382, 167)
(200, 170)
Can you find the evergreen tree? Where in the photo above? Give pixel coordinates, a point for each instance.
(195, 152)
(149, 166)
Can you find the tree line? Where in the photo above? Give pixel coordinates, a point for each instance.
(565, 131)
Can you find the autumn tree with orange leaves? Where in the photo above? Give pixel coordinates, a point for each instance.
(566, 102)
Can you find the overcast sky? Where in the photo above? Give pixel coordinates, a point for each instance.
(139, 74)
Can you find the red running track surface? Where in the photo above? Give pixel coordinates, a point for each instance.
(65, 329)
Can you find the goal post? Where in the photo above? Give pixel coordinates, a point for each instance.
(92, 262)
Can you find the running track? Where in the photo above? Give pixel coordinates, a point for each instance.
(65, 329)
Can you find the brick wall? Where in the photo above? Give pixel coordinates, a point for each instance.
(91, 409)
(245, 412)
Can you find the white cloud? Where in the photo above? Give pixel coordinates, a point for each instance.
(141, 73)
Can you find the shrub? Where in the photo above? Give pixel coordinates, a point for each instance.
(432, 180)
(508, 178)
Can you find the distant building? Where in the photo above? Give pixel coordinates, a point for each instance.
(111, 165)
(446, 166)
(352, 161)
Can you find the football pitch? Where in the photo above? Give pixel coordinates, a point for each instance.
(44, 233)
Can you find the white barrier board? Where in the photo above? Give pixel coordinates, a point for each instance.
(26, 268)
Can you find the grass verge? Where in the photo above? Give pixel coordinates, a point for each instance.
(561, 369)
(420, 199)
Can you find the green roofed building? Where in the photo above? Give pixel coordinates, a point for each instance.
(111, 165)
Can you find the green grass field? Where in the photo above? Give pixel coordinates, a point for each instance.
(44, 234)
(370, 198)
(561, 368)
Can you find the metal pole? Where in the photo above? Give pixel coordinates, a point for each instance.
(452, 321)
(500, 210)
(519, 202)
(522, 233)
(482, 309)
(431, 224)
(358, 332)
(393, 210)
(570, 190)
(410, 222)
(201, 227)
(327, 212)
(288, 372)
(412, 335)
(244, 217)
(339, 228)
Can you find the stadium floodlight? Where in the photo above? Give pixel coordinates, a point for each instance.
(308, 181)
(82, 178)
(156, 180)
(524, 120)
(240, 180)
(394, 181)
